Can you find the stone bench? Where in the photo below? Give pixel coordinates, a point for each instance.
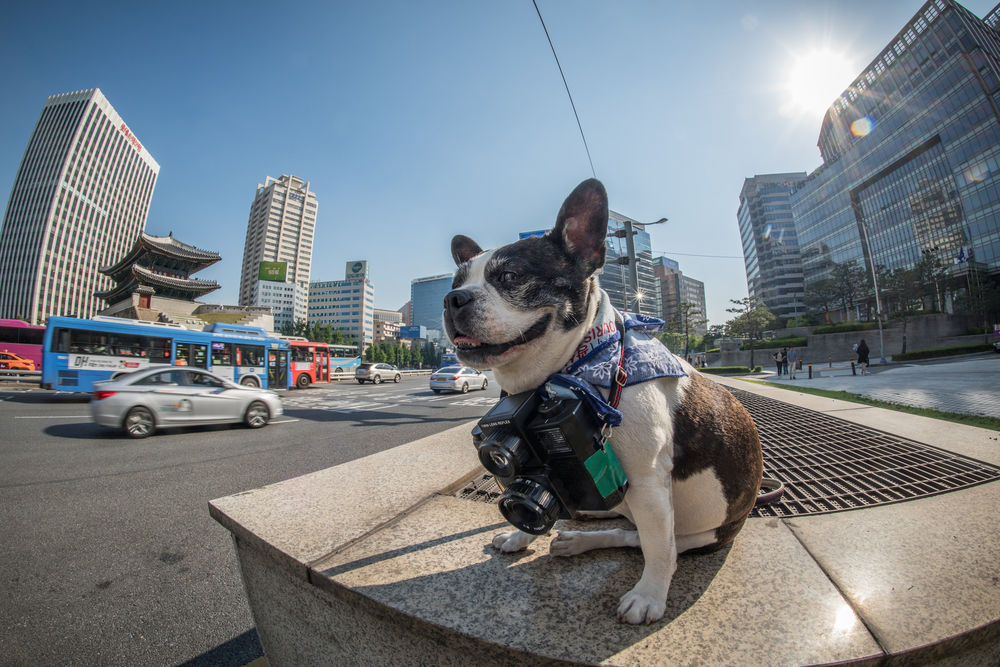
(377, 562)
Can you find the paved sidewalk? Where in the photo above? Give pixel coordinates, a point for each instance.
(966, 385)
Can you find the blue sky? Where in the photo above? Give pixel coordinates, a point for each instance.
(415, 121)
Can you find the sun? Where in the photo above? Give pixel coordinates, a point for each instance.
(814, 79)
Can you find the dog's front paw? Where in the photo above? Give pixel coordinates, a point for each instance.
(641, 606)
(569, 543)
(516, 540)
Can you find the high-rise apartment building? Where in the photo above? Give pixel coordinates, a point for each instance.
(278, 246)
(770, 243)
(911, 155)
(675, 289)
(616, 280)
(80, 200)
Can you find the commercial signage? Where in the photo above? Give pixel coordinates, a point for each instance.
(413, 332)
(104, 363)
(357, 270)
(131, 137)
(275, 271)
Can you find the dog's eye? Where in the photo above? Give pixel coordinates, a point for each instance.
(508, 277)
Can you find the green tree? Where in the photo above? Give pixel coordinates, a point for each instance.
(820, 298)
(686, 317)
(751, 321)
(850, 284)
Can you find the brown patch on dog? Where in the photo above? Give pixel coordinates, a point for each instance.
(713, 430)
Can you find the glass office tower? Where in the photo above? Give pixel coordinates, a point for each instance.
(911, 154)
(79, 202)
(427, 303)
(770, 243)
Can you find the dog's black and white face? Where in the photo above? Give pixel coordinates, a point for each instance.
(529, 298)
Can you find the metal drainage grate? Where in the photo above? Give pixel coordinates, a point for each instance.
(829, 464)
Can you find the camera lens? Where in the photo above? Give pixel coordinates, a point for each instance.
(504, 456)
(529, 506)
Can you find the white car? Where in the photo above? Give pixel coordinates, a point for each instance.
(457, 378)
(159, 397)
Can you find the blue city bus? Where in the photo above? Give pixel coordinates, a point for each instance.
(77, 352)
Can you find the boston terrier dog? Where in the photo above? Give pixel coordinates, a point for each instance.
(690, 450)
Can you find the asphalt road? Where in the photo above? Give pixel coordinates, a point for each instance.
(108, 555)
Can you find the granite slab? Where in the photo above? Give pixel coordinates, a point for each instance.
(919, 572)
(763, 601)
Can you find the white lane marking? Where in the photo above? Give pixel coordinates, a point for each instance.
(51, 416)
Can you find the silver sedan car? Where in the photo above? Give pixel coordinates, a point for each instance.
(160, 397)
(457, 378)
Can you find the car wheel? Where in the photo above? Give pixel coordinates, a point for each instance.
(486, 383)
(139, 422)
(436, 391)
(396, 379)
(465, 387)
(249, 381)
(360, 381)
(377, 379)
(257, 415)
(303, 381)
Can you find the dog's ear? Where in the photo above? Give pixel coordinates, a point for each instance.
(582, 225)
(463, 249)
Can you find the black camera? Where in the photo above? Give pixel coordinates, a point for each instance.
(550, 457)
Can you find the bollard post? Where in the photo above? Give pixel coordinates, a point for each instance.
(853, 370)
(810, 371)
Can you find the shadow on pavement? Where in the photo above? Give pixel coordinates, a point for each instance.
(237, 652)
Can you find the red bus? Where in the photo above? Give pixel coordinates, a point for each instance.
(310, 362)
(22, 339)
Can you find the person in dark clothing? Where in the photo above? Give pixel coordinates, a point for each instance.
(863, 356)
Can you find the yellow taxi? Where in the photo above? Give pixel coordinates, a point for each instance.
(15, 362)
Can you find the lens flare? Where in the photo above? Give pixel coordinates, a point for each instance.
(767, 231)
(977, 173)
(862, 127)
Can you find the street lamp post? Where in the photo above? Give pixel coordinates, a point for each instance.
(628, 233)
(878, 301)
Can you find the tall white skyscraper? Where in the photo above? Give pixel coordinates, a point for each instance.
(278, 247)
(79, 202)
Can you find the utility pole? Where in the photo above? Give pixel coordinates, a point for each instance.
(630, 260)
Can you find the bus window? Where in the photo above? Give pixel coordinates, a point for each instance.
(222, 354)
(302, 353)
(77, 341)
(249, 355)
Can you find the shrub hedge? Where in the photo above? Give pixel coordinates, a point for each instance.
(725, 370)
(942, 352)
(847, 326)
(788, 341)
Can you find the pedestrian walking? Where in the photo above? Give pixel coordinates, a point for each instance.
(793, 359)
(862, 350)
(784, 360)
(779, 360)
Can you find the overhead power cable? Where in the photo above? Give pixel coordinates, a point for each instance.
(568, 94)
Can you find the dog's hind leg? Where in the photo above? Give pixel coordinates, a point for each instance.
(573, 542)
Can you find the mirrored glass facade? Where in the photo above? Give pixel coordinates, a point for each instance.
(770, 242)
(911, 153)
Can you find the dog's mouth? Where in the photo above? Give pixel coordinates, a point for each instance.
(472, 349)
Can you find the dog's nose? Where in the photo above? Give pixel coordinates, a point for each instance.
(457, 298)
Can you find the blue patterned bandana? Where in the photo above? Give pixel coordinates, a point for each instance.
(646, 358)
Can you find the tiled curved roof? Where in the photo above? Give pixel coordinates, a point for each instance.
(166, 246)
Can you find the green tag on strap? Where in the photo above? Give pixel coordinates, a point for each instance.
(607, 472)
